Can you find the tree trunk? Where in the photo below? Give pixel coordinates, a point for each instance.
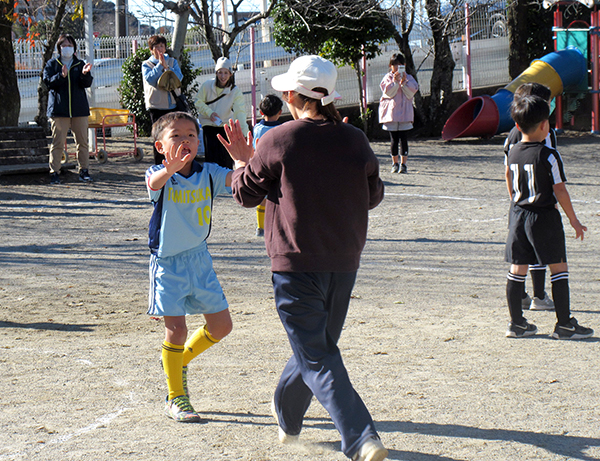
(41, 118)
(182, 14)
(518, 57)
(363, 109)
(443, 69)
(209, 34)
(11, 99)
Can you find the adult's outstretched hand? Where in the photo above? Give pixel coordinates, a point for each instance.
(239, 147)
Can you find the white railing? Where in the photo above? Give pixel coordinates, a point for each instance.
(489, 51)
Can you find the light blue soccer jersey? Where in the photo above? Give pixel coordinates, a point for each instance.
(182, 213)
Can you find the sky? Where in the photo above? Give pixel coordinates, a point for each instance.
(144, 8)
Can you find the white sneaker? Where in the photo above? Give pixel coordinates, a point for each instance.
(526, 302)
(545, 304)
(283, 437)
(371, 450)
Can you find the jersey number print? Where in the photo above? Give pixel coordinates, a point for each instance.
(516, 180)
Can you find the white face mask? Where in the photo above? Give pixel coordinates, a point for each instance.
(67, 51)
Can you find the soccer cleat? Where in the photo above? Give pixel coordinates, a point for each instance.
(84, 175)
(180, 409)
(371, 450)
(545, 304)
(283, 437)
(395, 168)
(572, 330)
(403, 168)
(522, 330)
(260, 232)
(526, 302)
(54, 178)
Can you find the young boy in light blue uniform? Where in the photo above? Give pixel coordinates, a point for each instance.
(182, 278)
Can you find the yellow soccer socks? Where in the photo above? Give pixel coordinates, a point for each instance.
(196, 344)
(260, 216)
(172, 360)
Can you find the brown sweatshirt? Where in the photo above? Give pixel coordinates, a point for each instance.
(320, 179)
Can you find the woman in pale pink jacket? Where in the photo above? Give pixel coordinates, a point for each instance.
(396, 111)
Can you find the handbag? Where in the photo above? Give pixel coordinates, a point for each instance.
(181, 103)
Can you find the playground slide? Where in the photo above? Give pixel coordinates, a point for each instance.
(485, 116)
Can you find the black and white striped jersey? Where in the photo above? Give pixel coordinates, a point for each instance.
(535, 169)
(515, 136)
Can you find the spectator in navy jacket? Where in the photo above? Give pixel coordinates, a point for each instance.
(67, 77)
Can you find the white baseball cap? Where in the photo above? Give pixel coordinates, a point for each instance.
(305, 74)
(223, 63)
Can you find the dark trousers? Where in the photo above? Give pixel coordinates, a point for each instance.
(214, 151)
(396, 138)
(312, 308)
(155, 114)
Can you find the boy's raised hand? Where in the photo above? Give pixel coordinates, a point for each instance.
(174, 160)
(240, 149)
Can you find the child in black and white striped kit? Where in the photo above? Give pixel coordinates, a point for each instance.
(541, 300)
(535, 180)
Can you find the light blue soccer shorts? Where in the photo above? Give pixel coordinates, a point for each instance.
(185, 284)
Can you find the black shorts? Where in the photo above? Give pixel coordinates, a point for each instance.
(535, 237)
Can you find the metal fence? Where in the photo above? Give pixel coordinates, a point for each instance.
(489, 54)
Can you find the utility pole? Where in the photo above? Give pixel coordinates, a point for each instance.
(224, 18)
(120, 24)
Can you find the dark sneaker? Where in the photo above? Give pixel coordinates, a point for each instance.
(54, 178)
(522, 330)
(403, 169)
(571, 330)
(260, 232)
(526, 302)
(395, 168)
(84, 175)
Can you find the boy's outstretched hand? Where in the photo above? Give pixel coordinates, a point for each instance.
(174, 158)
(240, 149)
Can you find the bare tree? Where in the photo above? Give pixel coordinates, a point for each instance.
(219, 40)
(443, 69)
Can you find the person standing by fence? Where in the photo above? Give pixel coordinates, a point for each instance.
(67, 77)
(158, 100)
(218, 101)
(396, 112)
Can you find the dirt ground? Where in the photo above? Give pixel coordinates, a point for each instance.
(424, 340)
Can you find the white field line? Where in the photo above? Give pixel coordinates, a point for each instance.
(101, 421)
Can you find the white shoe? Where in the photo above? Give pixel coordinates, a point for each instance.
(526, 302)
(283, 437)
(371, 450)
(545, 304)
